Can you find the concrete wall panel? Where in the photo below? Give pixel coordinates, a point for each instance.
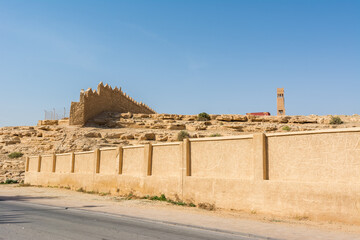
(108, 161)
(166, 161)
(133, 161)
(222, 159)
(63, 163)
(33, 163)
(46, 163)
(328, 157)
(84, 162)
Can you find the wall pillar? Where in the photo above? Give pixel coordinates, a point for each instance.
(97, 160)
(120, 159)
(183, 169)
(53, 162)
(148, 158)
(72, 162)
(27, 164)
(187, 155)
(39, 163)
(261, 165)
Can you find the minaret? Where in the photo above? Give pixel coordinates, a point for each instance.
(280, 102)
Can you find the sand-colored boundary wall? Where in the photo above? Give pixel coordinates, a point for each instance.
(313, 174)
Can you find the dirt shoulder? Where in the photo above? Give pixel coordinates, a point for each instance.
(251, 223)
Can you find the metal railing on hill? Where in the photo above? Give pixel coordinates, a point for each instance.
(55, 115)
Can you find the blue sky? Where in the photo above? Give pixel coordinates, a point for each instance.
(181, 57)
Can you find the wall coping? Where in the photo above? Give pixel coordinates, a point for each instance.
(338, 130)
(63, 154)
(166, 144)
(85, 152)
(135, 146)
(221, 138)
(107, 148)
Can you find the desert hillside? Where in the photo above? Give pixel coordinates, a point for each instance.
(114, 129)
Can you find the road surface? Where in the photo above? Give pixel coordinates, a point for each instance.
(22, 220)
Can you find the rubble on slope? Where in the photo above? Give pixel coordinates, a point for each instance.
(114, 129)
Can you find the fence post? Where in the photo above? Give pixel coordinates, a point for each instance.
(261, 165)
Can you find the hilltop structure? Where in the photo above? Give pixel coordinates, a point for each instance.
(104, 99)
(280, 102)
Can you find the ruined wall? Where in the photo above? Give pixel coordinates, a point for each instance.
(104, 99)
(311, 174)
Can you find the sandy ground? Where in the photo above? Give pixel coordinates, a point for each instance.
(250, 223)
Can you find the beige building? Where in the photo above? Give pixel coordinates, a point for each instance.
(280, 102)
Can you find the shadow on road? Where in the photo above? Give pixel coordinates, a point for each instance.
(11, 218)
(22, 198)
(91, 206)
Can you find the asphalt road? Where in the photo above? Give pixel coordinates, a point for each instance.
(22, 220)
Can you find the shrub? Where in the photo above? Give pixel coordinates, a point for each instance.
(301, 218)
(157, 198)
(130, 196)
(215, 135)
(179, 203)
(335, 120)
(203, 117)
(15, 155)
(164, 199)
(9, 181)
(182, 135)
(104, 193)
(286, 128)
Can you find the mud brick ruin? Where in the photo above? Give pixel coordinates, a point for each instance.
(94, 102)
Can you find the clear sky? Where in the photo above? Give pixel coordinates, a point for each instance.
(181, 57)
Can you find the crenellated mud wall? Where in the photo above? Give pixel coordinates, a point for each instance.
(105, 98)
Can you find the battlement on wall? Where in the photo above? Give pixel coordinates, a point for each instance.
(105, 98)
(89, 93)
